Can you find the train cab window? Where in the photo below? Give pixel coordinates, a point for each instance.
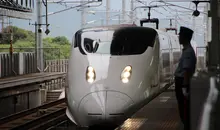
(75, 40)
(132, 41)
(122, 41)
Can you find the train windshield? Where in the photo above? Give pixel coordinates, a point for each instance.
(125, 41)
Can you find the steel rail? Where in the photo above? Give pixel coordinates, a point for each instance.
(54, 112)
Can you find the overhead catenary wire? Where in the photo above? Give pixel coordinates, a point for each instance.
(180, 6)
(188, 23)
(177, 14)
(72, 7)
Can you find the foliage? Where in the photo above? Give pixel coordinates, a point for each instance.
(61, 40)
(56, 50)
(17, 33)
(24, 41)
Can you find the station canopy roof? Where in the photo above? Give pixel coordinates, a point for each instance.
(18, 9)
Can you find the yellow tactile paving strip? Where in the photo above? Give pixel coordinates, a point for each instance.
(159, 114)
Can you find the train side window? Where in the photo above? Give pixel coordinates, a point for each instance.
(166, 59)
(165, 50)
(176, 50)
(176, 56)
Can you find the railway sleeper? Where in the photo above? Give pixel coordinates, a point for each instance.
(53, 122)
(34, 117)
(41, 112)
(33, 123)
(29, 115)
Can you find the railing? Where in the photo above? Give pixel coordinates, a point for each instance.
(210, 114)
(24, 61)
(56, 65)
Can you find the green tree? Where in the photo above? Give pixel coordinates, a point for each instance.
(18, 34)
(62, 40)
(24, 41)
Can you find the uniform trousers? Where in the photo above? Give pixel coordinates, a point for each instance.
(183, 103)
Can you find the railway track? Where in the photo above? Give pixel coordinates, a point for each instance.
(41, 117)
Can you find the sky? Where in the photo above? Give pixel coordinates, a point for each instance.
(68, 22)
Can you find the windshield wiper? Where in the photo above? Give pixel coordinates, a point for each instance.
(96, 46)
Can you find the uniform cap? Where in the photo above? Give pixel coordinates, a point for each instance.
(185, 31)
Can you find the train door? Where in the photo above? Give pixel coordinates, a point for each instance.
(156, 79)
(172, 42)
(164, 57)
(176, 52)
(171, 55)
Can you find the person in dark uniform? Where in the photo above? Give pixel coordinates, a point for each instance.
(183, 74)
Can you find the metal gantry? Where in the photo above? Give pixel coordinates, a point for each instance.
(123, 9)
(17, 5)
(15, 14)
(132, 10)
(107, 11)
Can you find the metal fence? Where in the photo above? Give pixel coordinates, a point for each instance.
(48, 53)
(55, 84)
(56, 65)
(17, 64)
(24, 60)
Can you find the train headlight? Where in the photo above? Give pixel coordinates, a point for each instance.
(90, 74)
(126, 74)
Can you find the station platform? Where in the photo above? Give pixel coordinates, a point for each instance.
(29, 79)
(162, 112)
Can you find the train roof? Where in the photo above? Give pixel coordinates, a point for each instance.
(114, 27)
(165, 33)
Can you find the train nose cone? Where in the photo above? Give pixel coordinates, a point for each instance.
(104, 107)
(116, 106)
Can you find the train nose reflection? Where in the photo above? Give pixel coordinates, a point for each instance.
(105, 107)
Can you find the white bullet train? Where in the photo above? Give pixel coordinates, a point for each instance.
(114, 69)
